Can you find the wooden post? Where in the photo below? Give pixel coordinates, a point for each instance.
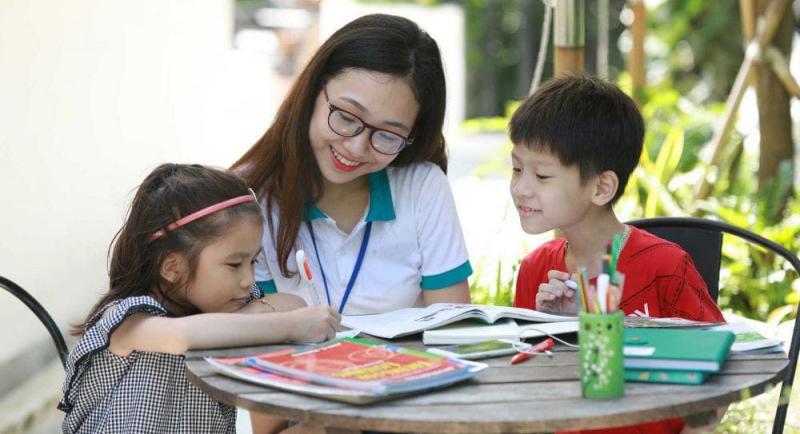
(636, 59)
(602, 38)
(569, 37)
(774, 119)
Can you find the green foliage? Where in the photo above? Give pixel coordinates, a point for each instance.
(501, 291)
(753, 282)
(699, 43)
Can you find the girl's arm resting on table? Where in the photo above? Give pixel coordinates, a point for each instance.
(144, 332)
(458, 293)
(278, 302)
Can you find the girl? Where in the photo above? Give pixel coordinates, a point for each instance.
(353, 172)
(181, 277)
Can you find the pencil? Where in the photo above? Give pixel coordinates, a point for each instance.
(582, 289)
(616, 244)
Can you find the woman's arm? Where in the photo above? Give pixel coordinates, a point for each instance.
(458, 293)
(144, 332)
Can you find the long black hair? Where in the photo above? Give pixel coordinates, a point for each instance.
(169, 192)
(281, 165)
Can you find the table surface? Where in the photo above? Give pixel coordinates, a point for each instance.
(541, 394)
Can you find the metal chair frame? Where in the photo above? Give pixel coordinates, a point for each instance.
(41, 313)
(726, 228)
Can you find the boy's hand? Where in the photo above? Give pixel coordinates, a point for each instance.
(314, 323)
(555, 296)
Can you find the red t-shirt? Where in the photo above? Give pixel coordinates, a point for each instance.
(660, 280)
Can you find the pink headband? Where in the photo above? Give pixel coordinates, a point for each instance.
(202, 213)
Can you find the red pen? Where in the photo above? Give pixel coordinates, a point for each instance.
(541, 347)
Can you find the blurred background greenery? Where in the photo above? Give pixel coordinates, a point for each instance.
(694, 50)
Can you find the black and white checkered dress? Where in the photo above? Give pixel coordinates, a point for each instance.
(145, 392)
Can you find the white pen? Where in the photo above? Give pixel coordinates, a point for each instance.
(571, 284)
(602, 292)
(305, 273)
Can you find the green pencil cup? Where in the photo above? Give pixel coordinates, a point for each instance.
(600, 355)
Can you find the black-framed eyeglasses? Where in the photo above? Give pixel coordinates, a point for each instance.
(346, 124)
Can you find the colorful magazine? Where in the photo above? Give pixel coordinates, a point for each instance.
(235, 367)
(350, 369)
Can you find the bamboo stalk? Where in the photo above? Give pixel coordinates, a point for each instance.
(749, 12)
(728, 118)
(636, 59)
(765, 30)
(780, 66)
(772, 20)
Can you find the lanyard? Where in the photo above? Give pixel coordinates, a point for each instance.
(356, 268)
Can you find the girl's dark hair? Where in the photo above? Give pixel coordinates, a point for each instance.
(169, 192)
(281, 165)
(586, 121)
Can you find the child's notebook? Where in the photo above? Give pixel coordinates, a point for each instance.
(676, 349)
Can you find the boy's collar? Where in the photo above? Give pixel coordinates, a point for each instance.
(381, 206)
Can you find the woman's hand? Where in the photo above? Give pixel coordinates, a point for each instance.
(555, 296)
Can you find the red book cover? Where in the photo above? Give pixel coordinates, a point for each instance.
(362, 364)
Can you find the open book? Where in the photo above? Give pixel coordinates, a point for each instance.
(472, 331)
(749, 339)
(417, 319)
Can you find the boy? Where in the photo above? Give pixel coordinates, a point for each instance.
(576, 142)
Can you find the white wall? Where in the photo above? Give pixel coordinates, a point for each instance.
(450, 38)
(93, 95)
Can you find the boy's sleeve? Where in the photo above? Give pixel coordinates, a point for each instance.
(688, 295)
(444, 253)
(526, 288)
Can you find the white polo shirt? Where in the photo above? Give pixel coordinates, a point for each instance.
(415, 245)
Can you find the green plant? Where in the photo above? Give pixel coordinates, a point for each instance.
(500, 292)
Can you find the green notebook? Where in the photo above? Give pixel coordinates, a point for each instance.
(676, 349)
(665, 376)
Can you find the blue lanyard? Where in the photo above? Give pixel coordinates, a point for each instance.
(356, 268)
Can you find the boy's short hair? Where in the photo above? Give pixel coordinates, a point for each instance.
(586, 121)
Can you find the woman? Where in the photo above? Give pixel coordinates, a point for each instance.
(353, 167)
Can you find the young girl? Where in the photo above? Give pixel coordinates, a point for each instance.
(352, 171)
(181, 277)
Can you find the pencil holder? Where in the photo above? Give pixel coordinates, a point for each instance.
(600, 354)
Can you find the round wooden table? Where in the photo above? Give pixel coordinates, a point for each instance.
(541, 394)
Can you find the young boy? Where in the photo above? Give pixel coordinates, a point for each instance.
(576, 142)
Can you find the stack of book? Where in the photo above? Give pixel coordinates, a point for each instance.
(353, 370)
(668, 355)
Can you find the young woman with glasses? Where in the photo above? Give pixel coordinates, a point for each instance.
(353, 172)
(353, 169)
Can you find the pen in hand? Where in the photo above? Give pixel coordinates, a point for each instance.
(305, 273)
(541, 347)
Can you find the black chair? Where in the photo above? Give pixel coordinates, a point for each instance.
(41, 313)
(702, 240)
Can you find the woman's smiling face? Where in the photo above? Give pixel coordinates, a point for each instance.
(383, 100)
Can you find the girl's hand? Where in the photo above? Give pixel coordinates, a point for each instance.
(314, 324)
(555, 296)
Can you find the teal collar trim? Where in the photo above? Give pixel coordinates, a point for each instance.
(381, 206)
(311, 212)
